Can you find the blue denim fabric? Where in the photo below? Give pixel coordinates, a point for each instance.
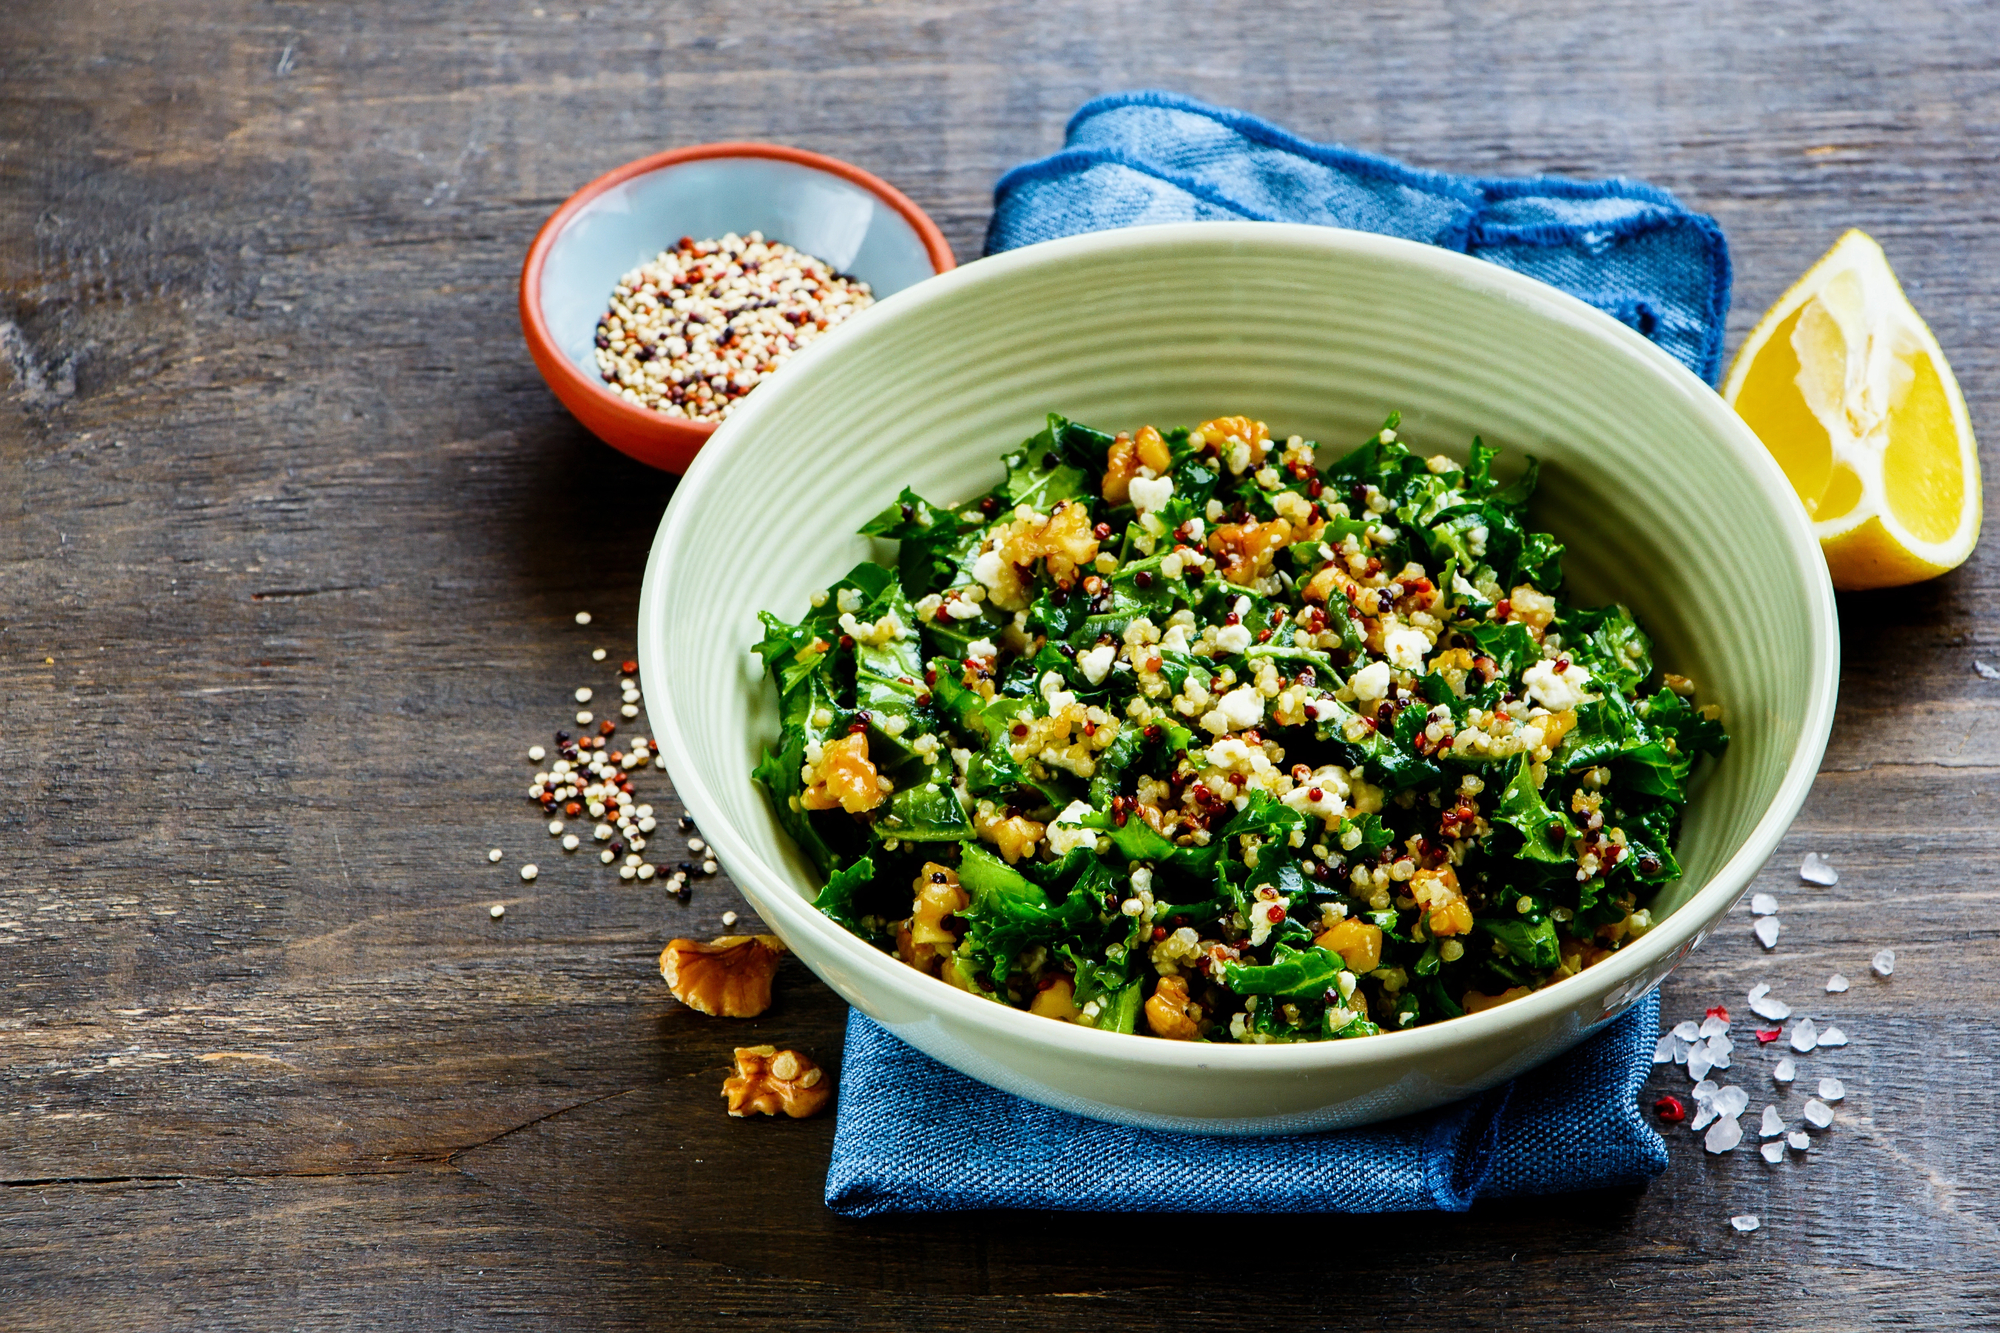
(914, 1136)
(1625, 247)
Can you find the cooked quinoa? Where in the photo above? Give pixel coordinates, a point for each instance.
(1180, 733)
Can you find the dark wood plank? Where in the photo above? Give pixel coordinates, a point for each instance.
(291, 536)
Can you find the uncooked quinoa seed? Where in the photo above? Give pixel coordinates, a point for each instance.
(691, 332)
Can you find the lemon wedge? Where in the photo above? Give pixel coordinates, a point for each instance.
(1847, 388)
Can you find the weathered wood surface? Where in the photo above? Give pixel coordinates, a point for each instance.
(290, 539)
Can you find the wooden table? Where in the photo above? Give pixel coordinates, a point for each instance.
(293, 536)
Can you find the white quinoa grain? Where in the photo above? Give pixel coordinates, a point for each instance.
(495, 854)
(530, 870)
(497, 911)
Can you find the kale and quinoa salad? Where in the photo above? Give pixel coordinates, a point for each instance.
(1179, 733)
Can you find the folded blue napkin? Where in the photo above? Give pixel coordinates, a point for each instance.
(915, 1136)
(1625, 247)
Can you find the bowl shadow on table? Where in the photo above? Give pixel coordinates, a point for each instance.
(662, 1171)
(583, 516)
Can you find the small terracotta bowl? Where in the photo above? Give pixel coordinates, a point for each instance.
(841, 214)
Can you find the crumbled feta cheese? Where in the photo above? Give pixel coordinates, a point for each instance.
(1150, 494)
(1371, 682)
(1232, 638)
(1244, 707)
(983, 649)
(1175, 639)
(1065, 835)
(1406, 648)
(1058, 698)
(1556, 690)
(960, 609)
(986, 568)
(1323, 794)
(1095, 663)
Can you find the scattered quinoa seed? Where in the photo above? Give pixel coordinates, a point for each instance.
(583, 617)
(530, 870)
(729, 918)
(709, 867)
(495, 854)
(597, 654)
(497, 911)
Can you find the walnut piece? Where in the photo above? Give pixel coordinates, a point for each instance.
(1170, 1013)
(727, 978)
(845, 778)
(768, 1081)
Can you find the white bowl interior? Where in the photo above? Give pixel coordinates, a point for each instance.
(1664, 500)
(812, 210)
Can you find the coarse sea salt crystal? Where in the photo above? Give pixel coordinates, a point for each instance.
(1815, 870)
(1805, 1035)
(1835, 984)
(1763, 904)
(1731, 1101)
(1713, 1027)
(1758, 991)
(1703, 1117)
(1688, 1030)
(1723, 1135)
(1774, 1151)
(1745, 1222)
(1831, 1089)
(1704, 1091)
(1766, 930)
(1832, 1037)
(1884, 962)
(1986, 670)
(1663, 1049)
(1786, 1071)
(1762, 1005)
(1772, 1125)
(1681, 1049)
(1818, 1114)
(1799, 1140)
(1718, 1049)
(1700, 1062)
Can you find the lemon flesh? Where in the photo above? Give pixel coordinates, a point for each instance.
(1848, 389)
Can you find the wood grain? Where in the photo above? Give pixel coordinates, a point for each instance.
(291, 536)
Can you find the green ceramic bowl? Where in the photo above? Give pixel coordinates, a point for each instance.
(1664, 499)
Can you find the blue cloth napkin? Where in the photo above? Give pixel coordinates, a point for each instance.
(1627, 248)
(917, 1137)
(914, 1136)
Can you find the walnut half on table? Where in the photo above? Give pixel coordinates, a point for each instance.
(728, 977)
(769, 1081)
